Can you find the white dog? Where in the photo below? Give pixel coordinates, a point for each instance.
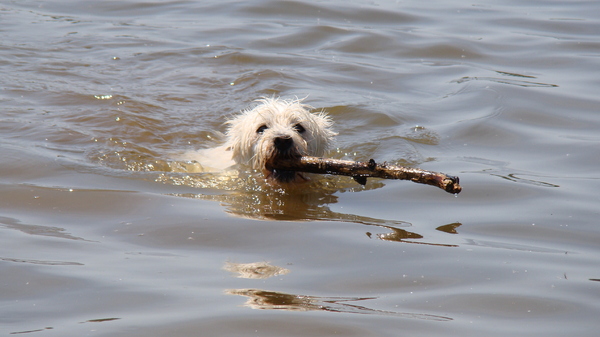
(278, 129)
(275, 129)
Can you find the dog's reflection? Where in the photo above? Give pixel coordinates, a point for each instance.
(248, 195)
(252, 200)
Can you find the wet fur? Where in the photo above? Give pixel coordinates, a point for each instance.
(278, 129)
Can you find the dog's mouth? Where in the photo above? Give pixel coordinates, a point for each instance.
(283, 149)
(282, 176)
(285, 177)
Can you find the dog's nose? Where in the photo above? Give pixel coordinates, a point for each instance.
(283, 143)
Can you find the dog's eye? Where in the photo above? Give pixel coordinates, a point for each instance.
(299, 128)
(261, 129)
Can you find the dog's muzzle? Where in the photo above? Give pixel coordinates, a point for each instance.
(283, 144)
(284, 148)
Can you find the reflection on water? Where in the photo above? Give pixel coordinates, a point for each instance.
(505, 81)
(42, 262)
(248, 196)
(516, 178)
(37, 229)
(101, 320)
(273, 300)
(512, 246)
(30, 331)
(264, 300)
(449, 228)
(98, 320)
(502, 170)
(401, 235)
(255, 270)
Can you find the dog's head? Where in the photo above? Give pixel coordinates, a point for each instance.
(278, 129)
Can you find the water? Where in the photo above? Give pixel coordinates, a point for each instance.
(104, 233)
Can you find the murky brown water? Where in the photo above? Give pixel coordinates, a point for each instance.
(104, 233)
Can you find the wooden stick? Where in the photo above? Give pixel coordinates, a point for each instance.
(361, 170)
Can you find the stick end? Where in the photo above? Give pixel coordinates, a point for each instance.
(452, 185)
